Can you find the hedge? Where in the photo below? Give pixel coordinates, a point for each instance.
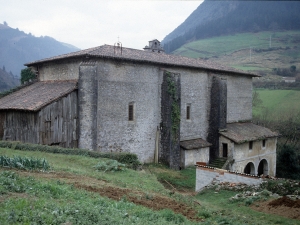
(130, 159)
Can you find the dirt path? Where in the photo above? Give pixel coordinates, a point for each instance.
(153, 201)
(282, 206)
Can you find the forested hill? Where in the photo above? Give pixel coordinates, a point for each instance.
(7, 80)
(216, 18)
(17, 48)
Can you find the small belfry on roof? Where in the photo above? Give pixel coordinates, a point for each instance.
(154, 46)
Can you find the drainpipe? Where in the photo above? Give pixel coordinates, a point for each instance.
(156, 146)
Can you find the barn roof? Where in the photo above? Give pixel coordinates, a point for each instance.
(245, 132)
(121, 53)
(37, 95)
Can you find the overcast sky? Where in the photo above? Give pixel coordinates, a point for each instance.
(91, 23)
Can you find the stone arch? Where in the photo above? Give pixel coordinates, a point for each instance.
(249, 168)
(263, 168)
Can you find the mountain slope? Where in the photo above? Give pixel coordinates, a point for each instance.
(17, 48)
(7, 80)
(261, 52)
(215, 18)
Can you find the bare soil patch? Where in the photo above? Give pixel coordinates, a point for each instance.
(283, 206)
(149, 200)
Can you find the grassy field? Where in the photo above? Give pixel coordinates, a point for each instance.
(74, 192)
(278, 103)
(260, 51)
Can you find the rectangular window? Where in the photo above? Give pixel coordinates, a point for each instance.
(264, 143)
(188, 112)
(130, 112)
(250, 145)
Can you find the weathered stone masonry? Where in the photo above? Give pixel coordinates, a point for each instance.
(170, 119)
(87, 98)
(218, 113)
(111, 80)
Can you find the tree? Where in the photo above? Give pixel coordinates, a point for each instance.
(288, 163)
(5, 23)
(293, 68)
(256, 101)
(26, 75)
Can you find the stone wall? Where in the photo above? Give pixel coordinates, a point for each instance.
(242, 155)
(87, 105)
(204, 176)
(170, 120)
(239, 98)
(190, 157)
(66, 70)
(120, 84)
(195, 92)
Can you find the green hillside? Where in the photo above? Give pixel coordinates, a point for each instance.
(76, 191)
(260, 52)
(278, 104)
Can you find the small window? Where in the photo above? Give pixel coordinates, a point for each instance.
(188, 112)
(130, 112)
(264, 143)
(250, 145)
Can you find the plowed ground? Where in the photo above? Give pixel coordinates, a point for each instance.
(153, 201)
(282, 206)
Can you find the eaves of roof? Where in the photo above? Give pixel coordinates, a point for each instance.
(113, 52)
(37, 95)
(245, 132)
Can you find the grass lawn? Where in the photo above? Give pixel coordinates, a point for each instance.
(278, 103)
(74, 192)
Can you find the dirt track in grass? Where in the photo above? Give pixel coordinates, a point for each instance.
(150, 200)
(282, 206)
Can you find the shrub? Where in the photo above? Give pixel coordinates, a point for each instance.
(24, 163)
(110, 165)
(282, 186)
(287, 163)
(129, 159)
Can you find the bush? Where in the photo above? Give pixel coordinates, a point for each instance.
(24, 163)
(282, 186)
(110, 165)
(129, 159)
(287, 163)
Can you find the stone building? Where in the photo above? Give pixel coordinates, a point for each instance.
(174, 109)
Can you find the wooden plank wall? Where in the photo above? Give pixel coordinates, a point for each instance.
(55, 124)
(20, 126)
(2, 119)
(58, 122)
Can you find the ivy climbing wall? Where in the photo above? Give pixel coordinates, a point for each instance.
(170, 115)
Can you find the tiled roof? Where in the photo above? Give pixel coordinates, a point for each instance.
(109, 51)
(37, 95)
(194, 144)
(244, 132)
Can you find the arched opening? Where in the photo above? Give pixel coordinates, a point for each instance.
(249, 168)
(263, 168)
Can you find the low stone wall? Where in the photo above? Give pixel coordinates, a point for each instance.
(205, 175)
(190, 157)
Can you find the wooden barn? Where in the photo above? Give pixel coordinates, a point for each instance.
(43, 113)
